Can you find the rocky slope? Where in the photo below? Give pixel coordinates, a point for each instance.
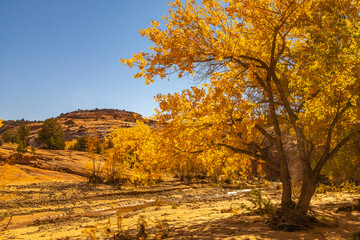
(78, 123)
(72, 162)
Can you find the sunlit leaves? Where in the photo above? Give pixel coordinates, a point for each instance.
(267, 64)
(139, 149)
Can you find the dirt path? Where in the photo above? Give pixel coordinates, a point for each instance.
(69, 210)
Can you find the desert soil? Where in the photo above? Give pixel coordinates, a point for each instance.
(66, 209)
(48, 197)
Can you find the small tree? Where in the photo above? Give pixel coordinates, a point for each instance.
(93, 146)
(22, 135)
(80, 144)
(9, 136)
(51, 135)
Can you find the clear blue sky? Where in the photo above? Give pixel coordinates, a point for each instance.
(62, 55)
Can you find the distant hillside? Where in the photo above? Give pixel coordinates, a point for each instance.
(78, 123)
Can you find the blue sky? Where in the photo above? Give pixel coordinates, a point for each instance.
(60, 56)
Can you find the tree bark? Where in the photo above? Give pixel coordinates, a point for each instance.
(307, 190)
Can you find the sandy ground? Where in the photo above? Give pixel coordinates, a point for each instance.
(47, 197)
(77, 210)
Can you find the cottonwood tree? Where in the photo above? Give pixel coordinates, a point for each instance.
(268, 66)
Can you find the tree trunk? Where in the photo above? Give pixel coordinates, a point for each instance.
(286, 201)
(307, 190)
(290, 217)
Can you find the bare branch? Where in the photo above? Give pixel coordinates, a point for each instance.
(191, 152)
(343, 142)
(331, 129)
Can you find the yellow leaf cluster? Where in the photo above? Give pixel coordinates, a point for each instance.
(135, 149)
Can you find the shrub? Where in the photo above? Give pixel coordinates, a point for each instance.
(22, 148)
(51, 135)
(22, 135)
(9, 136)
(80, 144)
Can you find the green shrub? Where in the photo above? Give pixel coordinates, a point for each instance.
(9, 136)
(22, 135)
(22, 148)
(51, 135)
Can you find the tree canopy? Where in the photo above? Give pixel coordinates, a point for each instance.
(268, 67)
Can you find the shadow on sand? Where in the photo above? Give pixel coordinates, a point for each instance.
(255, 227)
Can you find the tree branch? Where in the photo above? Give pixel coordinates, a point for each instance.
(331, 129)
(330, 155)
(265, 133)
(252, 154)
(191, 152)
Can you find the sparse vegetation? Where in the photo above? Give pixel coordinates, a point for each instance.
(261, 205)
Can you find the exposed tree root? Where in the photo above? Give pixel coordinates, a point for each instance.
(291, 220)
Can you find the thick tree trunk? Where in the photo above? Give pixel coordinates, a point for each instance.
(307, 190)
(286, 201)
(290, 217)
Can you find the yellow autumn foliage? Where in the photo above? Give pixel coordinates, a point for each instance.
(268, 67)
(70, 144)
(136, 154)
(142, 155)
